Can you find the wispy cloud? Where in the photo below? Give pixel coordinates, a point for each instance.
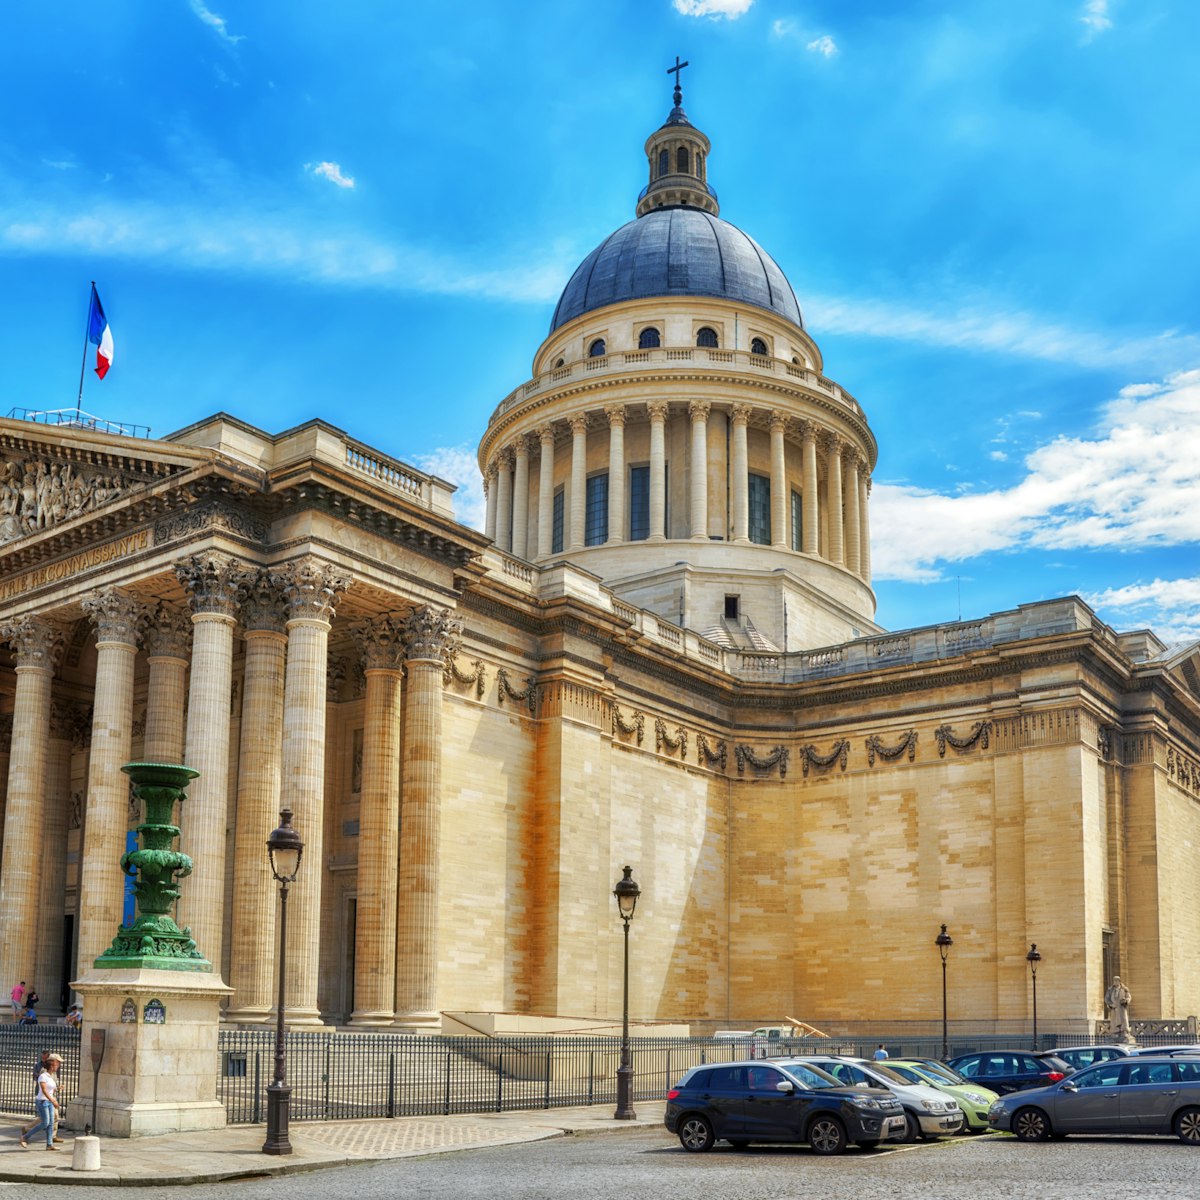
(214, 22)
(730, 9)
(290, 246)
(331, 171)
(458, 465)
(785, 29)
(1023, 334)
(1172, 606)
(1095, 19)
(824, 45)
(1128, 486)
(58, 164)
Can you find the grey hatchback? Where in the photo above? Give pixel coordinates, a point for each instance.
(1142, 1094)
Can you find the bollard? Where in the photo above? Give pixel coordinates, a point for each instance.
(86, 1154)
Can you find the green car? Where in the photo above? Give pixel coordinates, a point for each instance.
(972, 1099)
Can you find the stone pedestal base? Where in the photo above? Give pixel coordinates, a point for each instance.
(418, 1022)
(157, 1077)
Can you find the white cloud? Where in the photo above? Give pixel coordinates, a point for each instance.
(998, 456)
(1022, 334)
(214, 22)
(1094, 18)
(458, 465)
(731, 9)
(331, 171)
(1131, 485)
(1171, 606)
(824, 46)
(784, 28)
(58, 164)
(288, 245)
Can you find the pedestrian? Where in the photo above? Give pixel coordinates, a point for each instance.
(18, 994)
(38, 1068)
(30, 1017)
(47, 1103)
(74, 1017)
(880, 1053)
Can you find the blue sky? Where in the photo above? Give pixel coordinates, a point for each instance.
(365, 212)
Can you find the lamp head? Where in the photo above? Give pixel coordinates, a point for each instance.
(627, 893)
(943, 941)
(1033, 957)
(285, 848)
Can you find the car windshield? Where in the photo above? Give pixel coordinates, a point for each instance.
(812, 1077)
(941, 1071)
(912, 1074)
(884, 1072)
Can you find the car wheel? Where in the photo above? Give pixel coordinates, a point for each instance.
(1031, 1125)
(912, 1128)
(1187, 1126)
(826, 1135)
(696, 1134)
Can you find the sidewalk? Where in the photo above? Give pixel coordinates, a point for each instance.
(236, 1152)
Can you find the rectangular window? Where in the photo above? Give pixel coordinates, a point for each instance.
(595, 518)
(760, 510)
(797, 521)
(639, 503)
(556, 526)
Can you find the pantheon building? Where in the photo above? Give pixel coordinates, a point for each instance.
(661, 652)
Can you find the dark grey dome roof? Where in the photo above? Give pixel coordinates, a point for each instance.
(677, 252)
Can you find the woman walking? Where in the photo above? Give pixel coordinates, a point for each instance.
(47, 1102)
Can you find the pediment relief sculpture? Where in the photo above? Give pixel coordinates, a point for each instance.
(40, 493)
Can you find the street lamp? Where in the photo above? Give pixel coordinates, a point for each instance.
(627, 893)
(284, 851)
(944, 941)
(1033, 958)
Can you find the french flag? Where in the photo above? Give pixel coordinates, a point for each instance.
(100, 335)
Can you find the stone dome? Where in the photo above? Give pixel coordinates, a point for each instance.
(677, 252)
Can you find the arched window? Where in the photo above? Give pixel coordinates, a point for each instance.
(648, 339)
(681, 160)
(597, 349)
(707, 338)
(758, 346)
(664, 162)
(699, 165)
(558, 363)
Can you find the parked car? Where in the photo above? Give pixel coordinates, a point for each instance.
(753, 1101)
(928, 1112)
(1132, 1094)
(973, 1098)
(1078, 1057)
(1010, 1070)
(1190, 1048)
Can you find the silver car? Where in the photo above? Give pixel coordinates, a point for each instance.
(1135, 1094)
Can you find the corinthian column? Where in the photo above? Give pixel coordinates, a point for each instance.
(577, 521)
(431, 637)
(379, 825)
(851, 541)
(809, 502)
(311, 588)
(779, 493)
(616, 473)
(504, 499)
(833, 495)
(260, 755)
(864, 524)
(489, 491)
(215, 584)
(520, 534)
(698, 492)
(64, 722)
(740, 416)
(658, 410)
(168, 638)
(546, 492)
(117, 617)
(38, 645)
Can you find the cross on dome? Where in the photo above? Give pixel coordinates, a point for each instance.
(675, 71)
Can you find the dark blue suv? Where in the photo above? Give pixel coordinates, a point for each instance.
(744, 1102)
(1010, 1070)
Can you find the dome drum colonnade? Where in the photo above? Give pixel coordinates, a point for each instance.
(285, 615)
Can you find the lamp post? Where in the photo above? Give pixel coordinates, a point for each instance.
(1033, 958)
(284, 851)
(944, 941)
(627, 893)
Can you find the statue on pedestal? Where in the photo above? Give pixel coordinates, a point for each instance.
(1116, 1000)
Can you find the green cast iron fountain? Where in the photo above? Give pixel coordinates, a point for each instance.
(154, 940)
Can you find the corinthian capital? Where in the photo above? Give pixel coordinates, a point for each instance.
(36, 641)
(264, 606)
(432, 633)
(659, 410)
(381, 642)
(808, 430)
(168, 631)
(698, 410)
(831, 444)
(778, 421)
(214, 583)
(116, 615)
(739, 414)
(312, 587)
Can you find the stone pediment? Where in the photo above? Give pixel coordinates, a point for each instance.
(1183, 664)
(49, 476)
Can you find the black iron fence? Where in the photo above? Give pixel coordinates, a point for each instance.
(21, 1049)
(344, 1076)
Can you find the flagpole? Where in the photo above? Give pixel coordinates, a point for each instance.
(87, 328)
